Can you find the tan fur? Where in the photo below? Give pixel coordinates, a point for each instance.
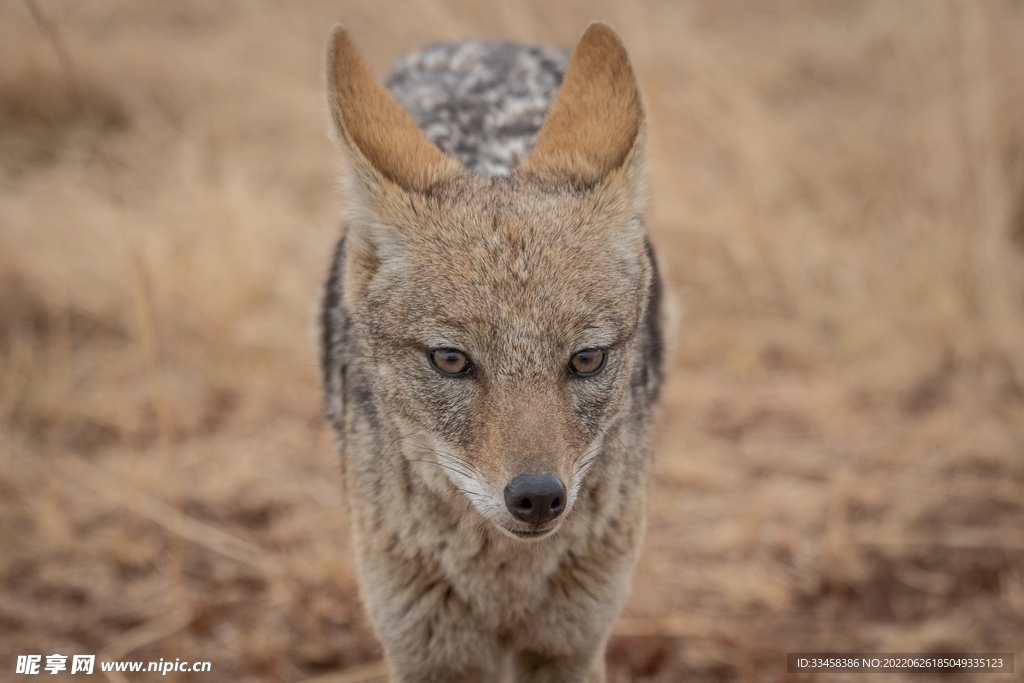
(374, 126)
(597, 119)
(520, 272)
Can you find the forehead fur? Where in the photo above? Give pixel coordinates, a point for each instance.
(507, 248)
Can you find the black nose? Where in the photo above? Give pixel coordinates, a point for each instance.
(535, 499)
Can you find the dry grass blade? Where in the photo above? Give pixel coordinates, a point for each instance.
(1000, 309)
(49, 29)
(357, 674)
(673, 626)
(143, 635)
(168, 517)
(116, 677)
(950, 537)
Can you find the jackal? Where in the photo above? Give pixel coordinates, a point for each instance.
(491, 342)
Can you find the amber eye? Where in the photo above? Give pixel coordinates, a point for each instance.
(449, 361)
(588, 362)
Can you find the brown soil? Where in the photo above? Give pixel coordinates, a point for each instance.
(836, 195)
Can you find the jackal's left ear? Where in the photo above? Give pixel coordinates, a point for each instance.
(595, 126)
(383, 143)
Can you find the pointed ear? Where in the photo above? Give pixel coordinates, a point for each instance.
(596, 124)
(381, 138)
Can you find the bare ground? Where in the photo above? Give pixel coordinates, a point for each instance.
(837, 195)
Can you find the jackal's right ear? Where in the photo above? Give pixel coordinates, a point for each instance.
(595, 126)
(383, 143)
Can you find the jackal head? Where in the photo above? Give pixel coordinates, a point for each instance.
(497, 318)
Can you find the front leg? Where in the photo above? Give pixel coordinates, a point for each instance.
(564, 639)
(429, 632)
(429, 636)
(564, 642)
(531, 667)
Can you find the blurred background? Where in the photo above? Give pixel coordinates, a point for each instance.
(837, 197)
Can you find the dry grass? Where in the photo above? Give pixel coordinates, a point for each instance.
(836, 194)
